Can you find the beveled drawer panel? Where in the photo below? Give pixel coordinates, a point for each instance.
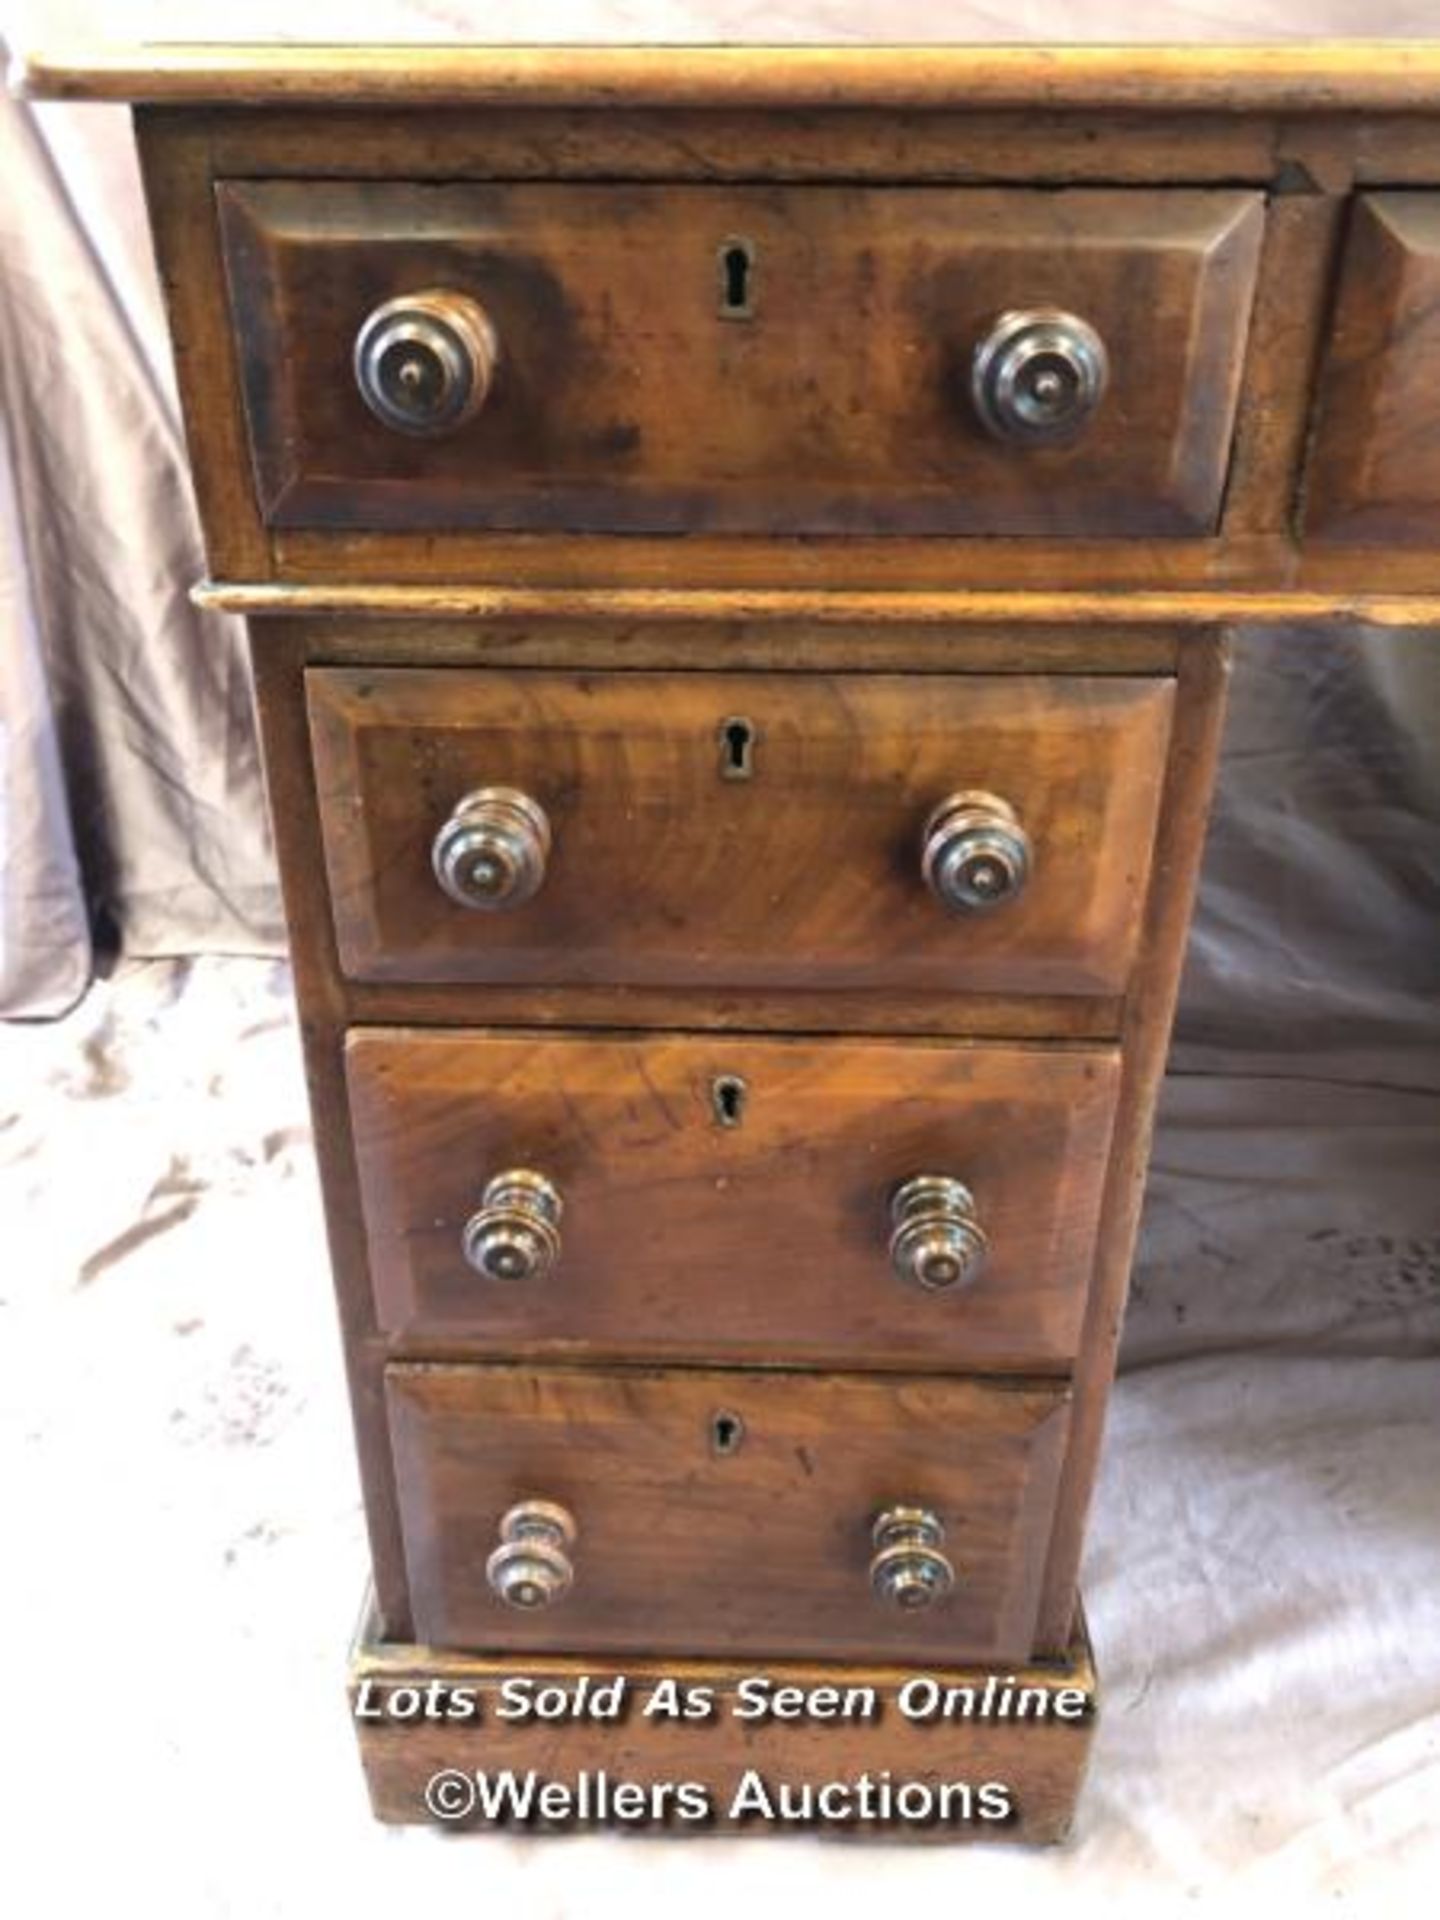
(730, 1197)
(768, 360)
(723, 1511)
(740, 830)
(1374, 470)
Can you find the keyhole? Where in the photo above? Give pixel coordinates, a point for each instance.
(737, 747)
(727, 1430)
(736, 262)
(727, 1095)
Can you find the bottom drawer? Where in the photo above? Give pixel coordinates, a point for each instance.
(717, 1512)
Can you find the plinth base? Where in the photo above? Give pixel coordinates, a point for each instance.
(728, 1747)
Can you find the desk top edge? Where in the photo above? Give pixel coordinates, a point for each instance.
(1334, 76)
(1115, 607)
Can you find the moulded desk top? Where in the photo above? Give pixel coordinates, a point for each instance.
(1287, 55)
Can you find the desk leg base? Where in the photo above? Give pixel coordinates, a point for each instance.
(436, 1750)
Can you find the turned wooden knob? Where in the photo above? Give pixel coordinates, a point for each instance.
(909, 1570)
(936, 1241)
(424, 362)
(975, 854)
(1038, 376)
(531, 1567)
(492, 851)
(515, 1233)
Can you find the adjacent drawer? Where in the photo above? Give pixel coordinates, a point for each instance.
(724, 1511)
(767, 360)
(1374, 469)
(730, 1197)
(961, 833)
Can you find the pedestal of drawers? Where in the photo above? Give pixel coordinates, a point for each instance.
(727, 1029)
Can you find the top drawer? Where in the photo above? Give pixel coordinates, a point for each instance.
(813, 359)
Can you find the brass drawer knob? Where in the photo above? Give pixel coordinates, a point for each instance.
(531, 1567)
(975, 853)
(515, 1234)
(1038, 377)
(909, 1570)
(424, 363)
(491, 853)
(936, 1243)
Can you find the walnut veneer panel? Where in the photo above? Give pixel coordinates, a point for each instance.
(764, 1547)
(666, 871)
(752, 1231)
(742, 359)
(1374, 472)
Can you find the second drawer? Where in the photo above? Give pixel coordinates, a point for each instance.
(920, 833)
(829, 1201)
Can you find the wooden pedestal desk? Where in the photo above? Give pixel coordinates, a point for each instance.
(739, 545)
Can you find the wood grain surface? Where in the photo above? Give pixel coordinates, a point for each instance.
(1149, 1015)
(1041, 1760)
(1264, 560)
(765, 1239)
(854, 142)
(1338, 604)
(807, 874)
(1374, 470)
(764, 1549)
(628, 399)
(1299, 76)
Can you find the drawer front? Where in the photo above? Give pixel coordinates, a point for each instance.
(1374, 471)
(743, 831)
(723, 1511)
(807, 359)
(734, 1198)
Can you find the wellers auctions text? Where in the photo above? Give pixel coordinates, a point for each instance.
(510, 1797)
(497, 1794)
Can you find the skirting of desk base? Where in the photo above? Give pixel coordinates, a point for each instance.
(670, 1750)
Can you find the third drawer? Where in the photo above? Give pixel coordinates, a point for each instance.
(829, 1201)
